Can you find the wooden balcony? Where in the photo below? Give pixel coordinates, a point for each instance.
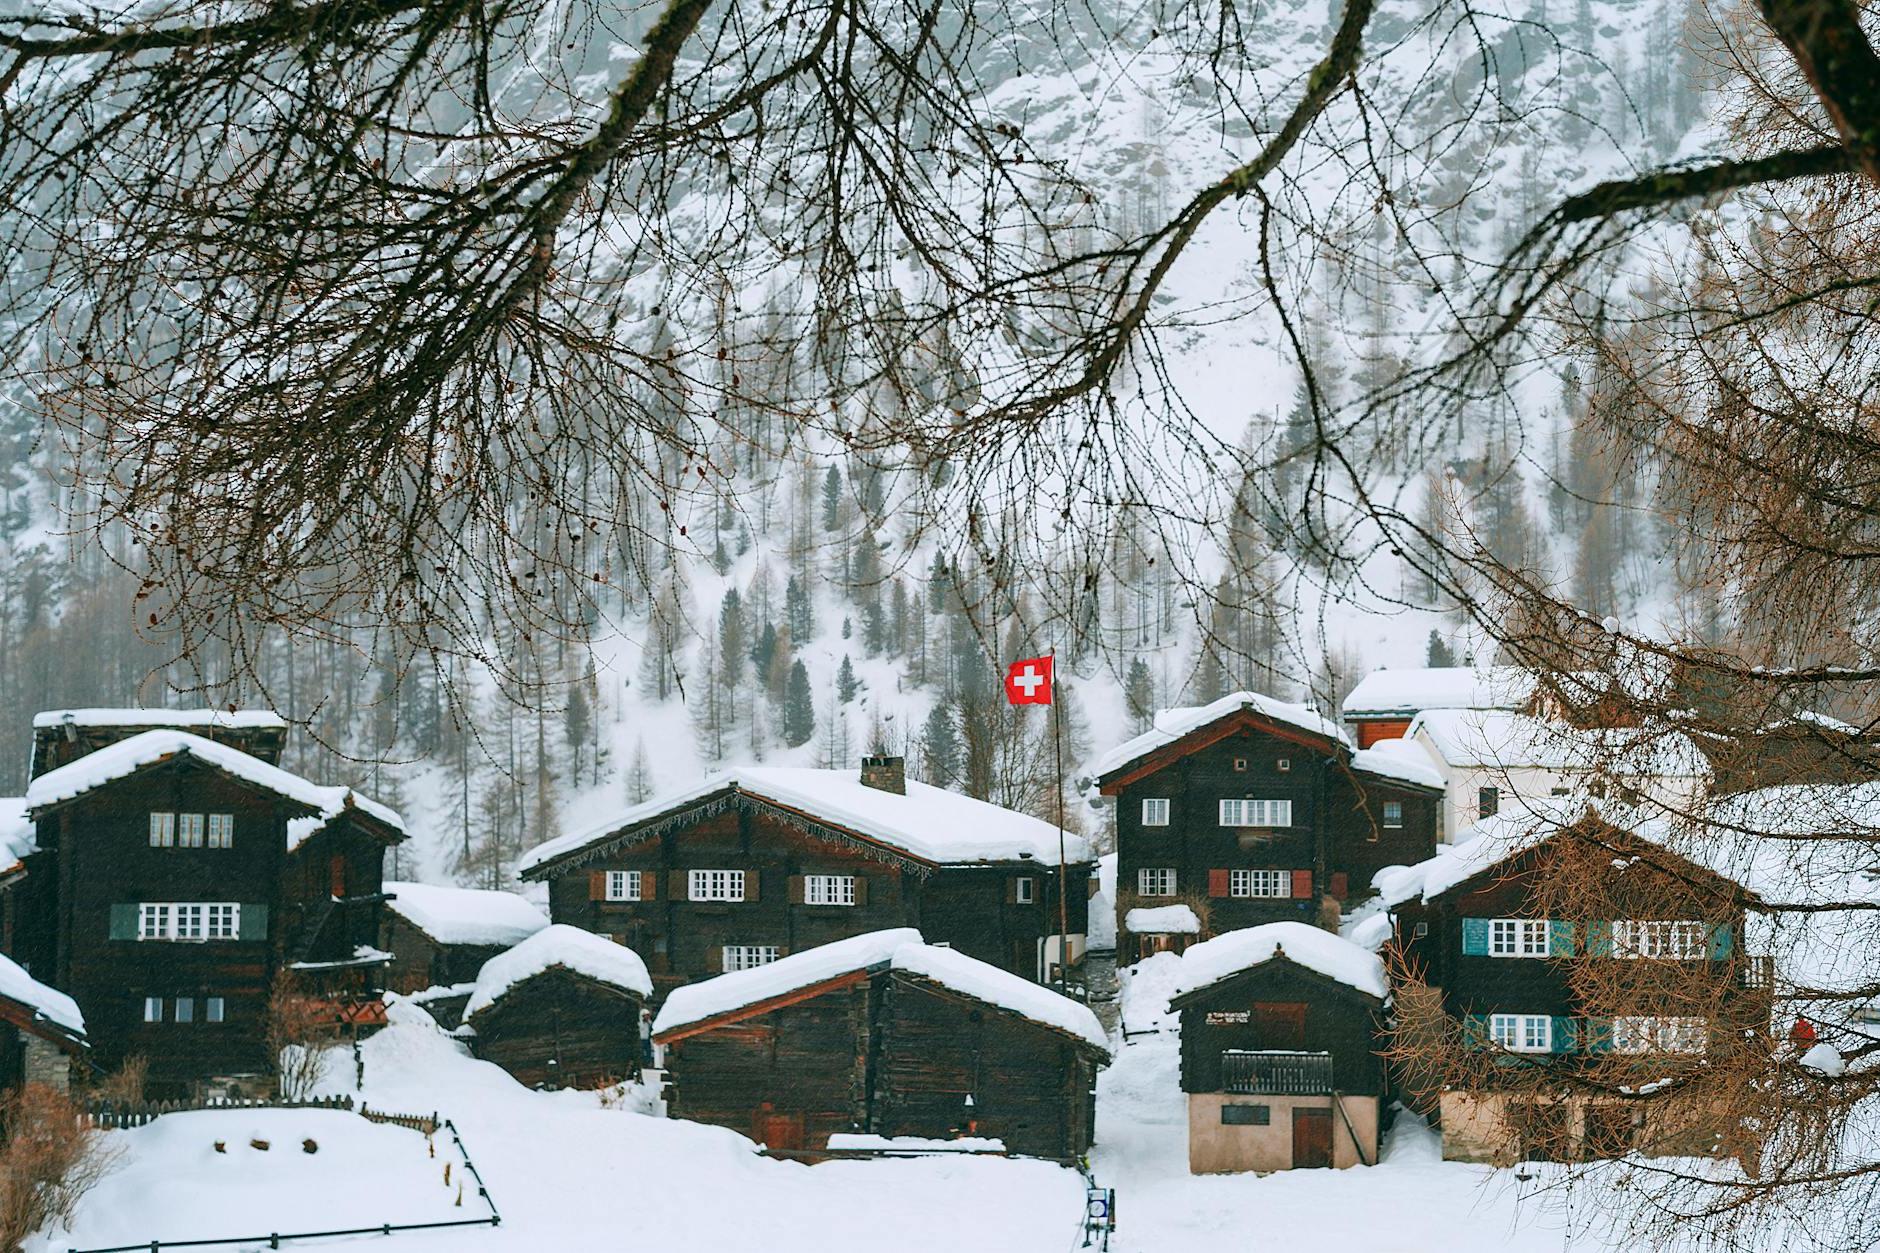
(1276, 1074)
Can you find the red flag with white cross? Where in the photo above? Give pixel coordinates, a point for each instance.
(1028, 682)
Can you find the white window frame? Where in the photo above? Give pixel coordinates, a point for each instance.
(1255, 812)
(1660, 939)
(1024, 890)
(214, 1009)
(1518, 937)
(623, 885)
(189, 922)
(186, 922)
(153, 921)
(1259, 884)
(222, 920)
(184, 1009)
(746, 956)
(828, 889)
(1155, 811)
(162, 830)
(1156, 881)
(221, 830)
(1656, 1034)
(153, 1009)
(714, 885)
(1393, 815)
(1522, 1033)
(192, 830)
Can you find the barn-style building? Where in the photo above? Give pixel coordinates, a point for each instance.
(170, 876)
(1253, 810)
(439, 937)
(883, 1035)
(561, 1010)
(1280, 1026)
(754, 863)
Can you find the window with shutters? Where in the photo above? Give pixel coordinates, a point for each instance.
(623, 885)
(1660, 939)
(153, 1009)
(1259, 883)
(221, 830)
(1393, 813)
(162, 830)
(1517, 937)
(190, 829)
(153, 922)
(715, 885)
(214, 1009)
(1256, 813)
(1024, 890)
(1522, 1033)
(829, 889)
(748, 956)
(189, 921)
(1155, 881)
(1675, 1034)
(1155, 811)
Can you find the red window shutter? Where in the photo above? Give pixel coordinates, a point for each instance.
(796, 889)
(676, 886)
(336, 872)
(1302, 885)
(714, 958)
(753, 879)
(1011, 891)
(597, 885)
(649, 884)
(1217, 883)
(1341, 883)
(861, 889)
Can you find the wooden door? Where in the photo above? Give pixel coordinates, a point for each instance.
(1281, 1024)
(1312, 1138)
(777, 1129)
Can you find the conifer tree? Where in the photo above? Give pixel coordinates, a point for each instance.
(639, 776)
(940, 748)
(763, 650)
(1139, 695)
(832, 511)
(798, 613)
(847, 685)
(799, 711)
(733, 641)
(1439, 653)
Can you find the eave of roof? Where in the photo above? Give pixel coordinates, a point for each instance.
(1204, 736)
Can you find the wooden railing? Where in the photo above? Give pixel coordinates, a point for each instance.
(1276, 1074)
(120, 1115)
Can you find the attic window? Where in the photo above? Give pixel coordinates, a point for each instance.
(1240, 763)
(1284, 765)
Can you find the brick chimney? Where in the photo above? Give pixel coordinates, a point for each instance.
(887, 773)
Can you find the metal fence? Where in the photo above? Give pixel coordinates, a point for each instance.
(1276, 1074)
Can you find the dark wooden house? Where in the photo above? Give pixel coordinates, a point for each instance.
(755, 863)
(1280, 1029)
(440, 937)
(1252, 810)
(42, 1032)
(561, 1010)
(1473, 921)
(883, 1035)
(173, 877)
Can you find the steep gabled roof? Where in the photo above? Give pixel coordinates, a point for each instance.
(476, 916)
(151, 748)
(180, 719)
(745, 993)
(559, 947)
(1408, 692)
(40, 1007)
(1234, 953)
(928, 826)
(1173, 726)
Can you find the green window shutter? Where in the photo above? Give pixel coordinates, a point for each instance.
(1722, 942)
(1599, 939)
(254, 924)
(1596, 1035)
(1475, 937)
(124, 922)
(1475, 1031)
(1559, 939)
(1566, 1035)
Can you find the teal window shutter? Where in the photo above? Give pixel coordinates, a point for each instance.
(1566, 1035)
(1722, 942)
(254, 924)
(1599, 939)
(1559, 939)
(124, 922)
(1475, 937)
(1596, 1035)
(1475, 1031)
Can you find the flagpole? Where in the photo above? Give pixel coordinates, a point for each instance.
(1064, 905)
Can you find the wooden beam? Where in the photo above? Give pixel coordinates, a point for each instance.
(1205, 736)
(765, 1006)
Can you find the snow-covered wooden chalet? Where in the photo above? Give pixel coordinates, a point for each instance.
(439, 937)
(884, 1035)
(561, 1010)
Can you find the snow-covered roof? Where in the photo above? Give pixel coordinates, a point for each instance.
(1173, 724)
(18, 836)
(232, 719)
(857, 1142)
(127, 756)
(1404, 760)
(465, 915)
(928, 823)
(48, 1002)
(1497, 739)
(1522, 823)
(900, 948)
(1162, 920)
(1321, 952)
(1406, 693)
(566, 947)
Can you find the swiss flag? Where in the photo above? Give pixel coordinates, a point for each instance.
(1028, 682)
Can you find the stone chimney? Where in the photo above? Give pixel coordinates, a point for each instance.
(887, 773)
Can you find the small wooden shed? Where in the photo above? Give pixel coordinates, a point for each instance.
(561, 1010)
(882, 1034)
(441, 936)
